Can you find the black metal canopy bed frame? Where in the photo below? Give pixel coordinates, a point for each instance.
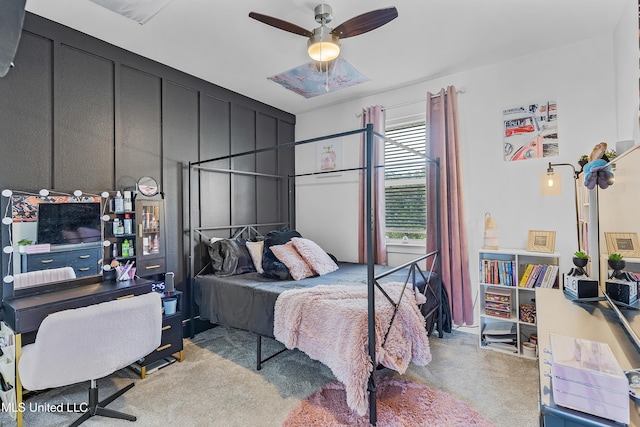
(257, 316)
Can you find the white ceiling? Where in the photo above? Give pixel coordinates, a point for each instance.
(216, 40)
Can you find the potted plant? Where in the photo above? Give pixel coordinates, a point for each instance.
(617, 263)
(583, 160)
(22, 244)
(580, 260)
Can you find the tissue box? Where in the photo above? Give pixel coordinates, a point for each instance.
(586, 376)
(581, 286)
(620, 290)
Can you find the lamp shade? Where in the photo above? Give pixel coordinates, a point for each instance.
(323, 46)
(551, 184)
(490, 233)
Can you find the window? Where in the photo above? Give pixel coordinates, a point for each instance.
(405, 182)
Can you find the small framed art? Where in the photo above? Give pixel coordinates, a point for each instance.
(329, 156)
(541, 241)
(625, 244)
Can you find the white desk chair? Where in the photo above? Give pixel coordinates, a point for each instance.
(92, 342)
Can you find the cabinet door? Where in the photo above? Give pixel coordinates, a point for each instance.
(150, 225)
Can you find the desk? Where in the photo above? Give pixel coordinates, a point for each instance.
(24, 314)
(594, 321)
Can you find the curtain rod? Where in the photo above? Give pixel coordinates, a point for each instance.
(415, 101)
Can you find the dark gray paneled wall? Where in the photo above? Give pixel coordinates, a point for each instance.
(76, 112)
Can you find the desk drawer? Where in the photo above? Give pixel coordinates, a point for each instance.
(30, 320)
(171, 340)
(84, 261)
(124, 293)
(150, 266)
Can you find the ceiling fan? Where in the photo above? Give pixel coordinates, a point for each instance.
(324, 42)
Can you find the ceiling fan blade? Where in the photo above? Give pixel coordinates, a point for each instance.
(280, 24)
(365, 22)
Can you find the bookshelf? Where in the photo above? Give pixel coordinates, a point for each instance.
(507, 280)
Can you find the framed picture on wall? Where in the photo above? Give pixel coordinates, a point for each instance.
(530, 130)
(541, 241)
(329, 156)
(625, 244)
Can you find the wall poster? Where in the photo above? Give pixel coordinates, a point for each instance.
(530, 131)
(329, 155)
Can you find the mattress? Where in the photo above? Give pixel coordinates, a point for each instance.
(246, 301)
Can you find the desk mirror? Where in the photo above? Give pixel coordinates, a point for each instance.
(50, 240)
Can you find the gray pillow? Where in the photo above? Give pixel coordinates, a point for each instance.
(229, 257)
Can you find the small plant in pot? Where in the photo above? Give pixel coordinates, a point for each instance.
(580, 260)
(23, 243)
(617, 264)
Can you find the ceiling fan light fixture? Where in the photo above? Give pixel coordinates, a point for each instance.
(323, 46)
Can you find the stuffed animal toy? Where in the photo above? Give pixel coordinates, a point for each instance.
(596, 172)
(598, 151)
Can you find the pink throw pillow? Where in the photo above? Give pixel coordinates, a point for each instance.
(314, 255)
(288, 255)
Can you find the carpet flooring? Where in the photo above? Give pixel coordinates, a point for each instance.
(217, 385)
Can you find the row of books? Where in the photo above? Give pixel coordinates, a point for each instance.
(539, 276)
(497, 272)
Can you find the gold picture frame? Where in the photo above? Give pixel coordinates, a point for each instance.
(625, 244)
(541, 241)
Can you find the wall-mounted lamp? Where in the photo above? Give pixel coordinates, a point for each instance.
(551, 185)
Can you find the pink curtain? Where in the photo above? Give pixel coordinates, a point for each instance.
(443, 142)
(374, 115)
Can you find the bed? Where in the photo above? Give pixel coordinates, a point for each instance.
(249, 300)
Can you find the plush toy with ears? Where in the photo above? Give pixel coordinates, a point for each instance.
(597, 171)
(598, 151)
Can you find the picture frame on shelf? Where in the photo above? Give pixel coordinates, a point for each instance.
(625, 244)
(541, 241)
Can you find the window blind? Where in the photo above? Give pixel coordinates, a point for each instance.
(405, 181)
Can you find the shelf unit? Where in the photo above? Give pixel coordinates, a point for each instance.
(145, 237)
(8, 369)
(505, 307)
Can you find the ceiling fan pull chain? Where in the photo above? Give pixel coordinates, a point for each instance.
(326, 76)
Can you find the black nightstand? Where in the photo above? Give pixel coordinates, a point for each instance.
(171, 347)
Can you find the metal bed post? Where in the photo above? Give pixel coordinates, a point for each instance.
(192, 300)
(370, 269)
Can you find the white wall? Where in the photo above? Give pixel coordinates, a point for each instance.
(626, 69)
(581, 77)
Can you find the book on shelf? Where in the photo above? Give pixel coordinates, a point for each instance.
(545, 278)
(541, 273)
(534, 275)
(525, 276)
(497, 272)
(550, 280)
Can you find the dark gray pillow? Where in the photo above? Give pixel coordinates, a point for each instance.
(229, 257)
(272, 267)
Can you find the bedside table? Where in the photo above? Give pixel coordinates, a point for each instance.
(171, 344)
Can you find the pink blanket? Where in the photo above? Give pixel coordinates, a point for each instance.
(329, 323)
